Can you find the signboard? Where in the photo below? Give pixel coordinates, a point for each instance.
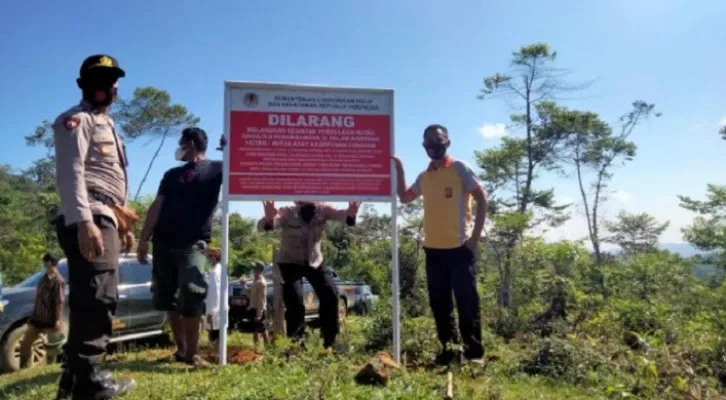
(315, 143)
(301, 142)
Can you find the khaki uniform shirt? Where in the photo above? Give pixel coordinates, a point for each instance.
(300, 242)
(258, 296)
(89, 156)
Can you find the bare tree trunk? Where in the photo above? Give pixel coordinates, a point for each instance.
(505, 292)
(594, 239)
(151, 163)
(596, 203)
(506, 295)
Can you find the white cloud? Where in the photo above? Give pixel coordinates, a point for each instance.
(622, 196)
(492, 130)
(722, 122)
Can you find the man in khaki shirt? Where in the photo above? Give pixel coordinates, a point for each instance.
(302, 228)
(92, 184)
(258, 304)
(47, 312)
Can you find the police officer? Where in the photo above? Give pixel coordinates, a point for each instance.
(92, 183)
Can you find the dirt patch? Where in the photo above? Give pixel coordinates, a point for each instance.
(234, 356)
(244, 357)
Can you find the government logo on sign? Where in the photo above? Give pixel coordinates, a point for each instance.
(251, 100)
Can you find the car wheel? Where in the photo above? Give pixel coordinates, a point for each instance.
(342, 308)
(11, 350)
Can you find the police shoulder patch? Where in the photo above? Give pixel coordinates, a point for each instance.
(71, 122)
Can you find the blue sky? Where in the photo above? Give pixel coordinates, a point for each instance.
(433, 53)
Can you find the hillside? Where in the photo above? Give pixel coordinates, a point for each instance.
(304, 376)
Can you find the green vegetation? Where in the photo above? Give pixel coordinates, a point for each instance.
(560, 321)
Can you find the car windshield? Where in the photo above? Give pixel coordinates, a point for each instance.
(32, 280)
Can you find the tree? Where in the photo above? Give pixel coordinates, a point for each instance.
(151, 114)
(43, 169)
(514, 166)
(722, 132)
(636, 233)
(25, 213)
(708, 231)
(593, 146)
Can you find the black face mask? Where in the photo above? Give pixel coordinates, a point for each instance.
(435, 151)
(307, 212)
(90, 85)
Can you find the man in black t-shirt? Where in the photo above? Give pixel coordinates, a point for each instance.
(179, 222)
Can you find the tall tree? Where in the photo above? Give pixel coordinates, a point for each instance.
(636, 233)
(722, 132)
(708, 231)
(515, 164)
(594, 147)
(151, 114)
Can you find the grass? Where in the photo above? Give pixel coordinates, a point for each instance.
(309, 375)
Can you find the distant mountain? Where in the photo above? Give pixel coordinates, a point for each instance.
(684, 249)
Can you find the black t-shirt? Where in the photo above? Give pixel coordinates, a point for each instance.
(191, 193)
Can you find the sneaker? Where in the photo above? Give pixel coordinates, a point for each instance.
(473, 357)
(176, 357)
(447, 357)
(475, 361)
(197, 362)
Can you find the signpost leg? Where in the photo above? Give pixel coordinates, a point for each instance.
(224, 291)
(396, 279)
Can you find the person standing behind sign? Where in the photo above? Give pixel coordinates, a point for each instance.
(213, 301)
(450, 243)
(180, 221)
(92, 227)
(258, 304)
(302, 227)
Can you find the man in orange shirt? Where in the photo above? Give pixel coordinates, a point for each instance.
(450, 243)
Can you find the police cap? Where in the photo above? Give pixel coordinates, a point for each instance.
(101, 63)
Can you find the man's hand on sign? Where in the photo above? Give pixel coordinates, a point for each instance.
(222, 143)
(142, 252)
(270, 210)
(353, 208)
(90, 241)
(398, 163)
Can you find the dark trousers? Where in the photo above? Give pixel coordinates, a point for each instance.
(454, 270)
(321, 280)
(92, 297)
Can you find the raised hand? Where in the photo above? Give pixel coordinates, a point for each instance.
(397, 162)
(353, 207)
(222, 143)
(270, 210)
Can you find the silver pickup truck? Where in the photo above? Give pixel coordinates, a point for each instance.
(353, 296)
(135, 315)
